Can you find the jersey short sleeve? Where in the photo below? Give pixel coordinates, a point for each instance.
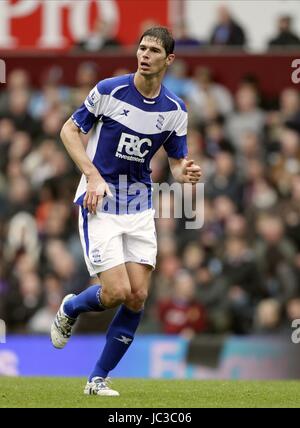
(89, 112)
(176, 144)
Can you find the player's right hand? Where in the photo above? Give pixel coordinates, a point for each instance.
(97, 189)
(191, 172)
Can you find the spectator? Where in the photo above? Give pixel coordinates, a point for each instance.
(224, 181)
(290, 211)
(193, 256)
(275, 255)
(60, 261)
(268, 317)
(207, 92)
(100, 39)
(18, 81)
(176, 80)
(182, 38)
(19, 196)
(22, 236)
(227, 32)
(289, 103)
(248, 117)
(182, 313)
(286, 163)
(23, 300)
(236, 227)
(42, 319)
(86, 78)
(52, 96)
(215, 140)
(18, 111)
(292, 312)
(7, 133)
(244, 283)
(285, 36)
(211, 292)
(168, 268)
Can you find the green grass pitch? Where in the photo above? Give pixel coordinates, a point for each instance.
(149, 393)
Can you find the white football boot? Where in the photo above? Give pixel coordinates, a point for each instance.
(100, 386)
(61, 328)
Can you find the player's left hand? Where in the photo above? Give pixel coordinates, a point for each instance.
(191, 172)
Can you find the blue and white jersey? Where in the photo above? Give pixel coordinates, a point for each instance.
(128, 129)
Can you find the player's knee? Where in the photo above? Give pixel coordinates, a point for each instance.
(140, 296)
(123, 294)
(116, 295)
(137, 299)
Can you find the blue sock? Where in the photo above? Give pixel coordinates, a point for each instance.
(87, 301)
(119, 337)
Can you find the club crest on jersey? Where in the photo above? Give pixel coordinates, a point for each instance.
(160, 122)
(133, 148)
(95, 255)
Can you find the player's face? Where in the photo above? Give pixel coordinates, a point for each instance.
(152, 57)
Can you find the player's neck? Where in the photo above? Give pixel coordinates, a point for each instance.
(148, 87)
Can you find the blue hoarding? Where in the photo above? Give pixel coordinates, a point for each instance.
(154, 356)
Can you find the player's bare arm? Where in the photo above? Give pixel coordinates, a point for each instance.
(185, 171)
(96, 186)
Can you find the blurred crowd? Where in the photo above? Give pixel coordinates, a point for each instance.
(239, 273)
(226, 32)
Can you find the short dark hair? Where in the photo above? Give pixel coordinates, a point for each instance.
(163, 35)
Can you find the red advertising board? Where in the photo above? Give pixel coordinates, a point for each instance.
(56, 24)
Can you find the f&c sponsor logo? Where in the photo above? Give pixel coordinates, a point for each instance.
(133, 148)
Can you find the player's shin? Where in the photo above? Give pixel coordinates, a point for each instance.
(119, 337)
(87, 301)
